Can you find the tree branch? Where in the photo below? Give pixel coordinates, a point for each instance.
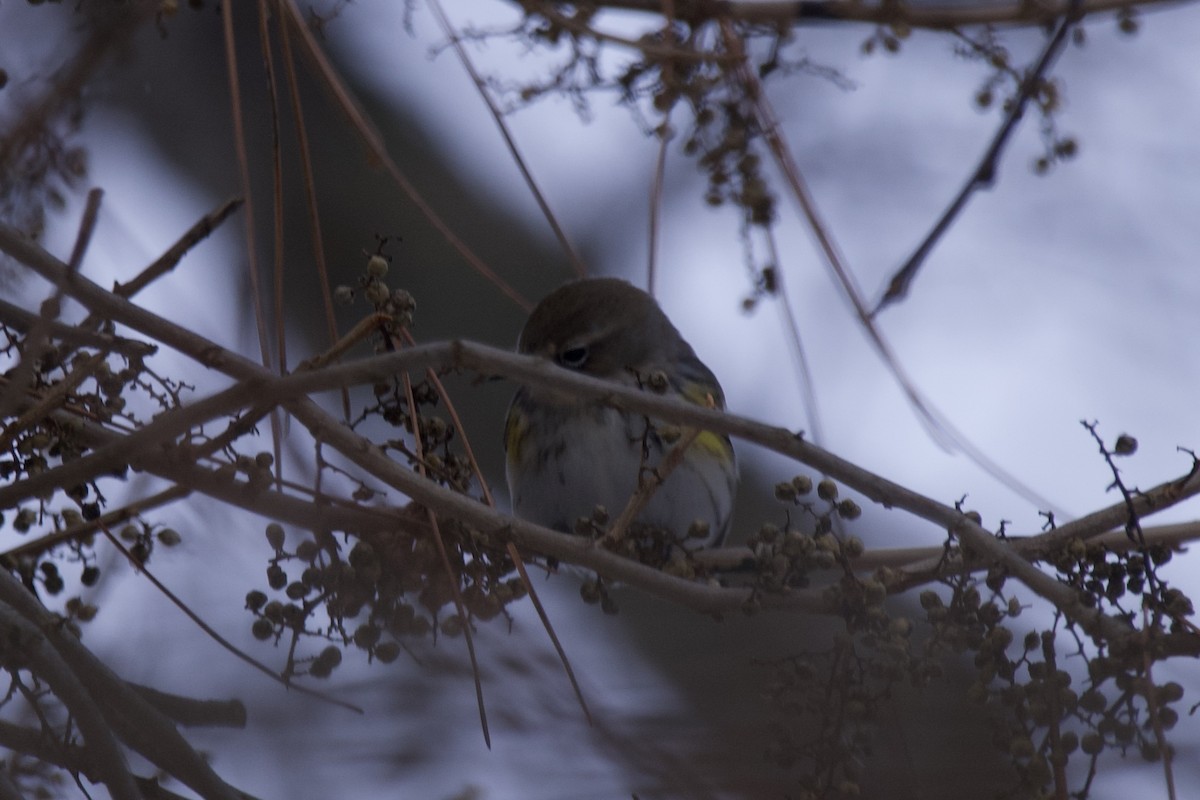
(192, 712)
(25, 642)
(124, 710)
(292, 390)
(937, 16)
(984, 174)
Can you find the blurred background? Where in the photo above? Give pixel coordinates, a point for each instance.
(1053, 299)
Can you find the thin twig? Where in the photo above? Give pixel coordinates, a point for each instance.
(1154, 711)
(511, 548)
(935, 16)
(277, 222)
(310, 193)
(451, 33)
(87, 226)
(451, 578)
(808, 384)
(934, 420)
(211, 632)
(239, 140)
(243, 158)
(984, 174)
(277, 227)
(23, 639)
(656, 199)
(134, 720)
(125, 513)
(23, 320)
(648, 486)
(55, 397)
(664, 134)
(175, 253)
(1054, 734)
(769, 124)
(378, 150)
(534, 598)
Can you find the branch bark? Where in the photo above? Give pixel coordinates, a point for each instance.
(117, 708)
(292, 393)
(936, 16)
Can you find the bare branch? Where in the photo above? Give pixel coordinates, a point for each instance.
(138, 724)
(378, 150)
(87, 226)
(192, 712)
(175, 253)
(564, 241)
(35, 743)
(984, 174)
(914, 15)
(75, 532)
(534, 371)
(23, 640)
(22, 320)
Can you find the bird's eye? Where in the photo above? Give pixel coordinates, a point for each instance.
(574, 357)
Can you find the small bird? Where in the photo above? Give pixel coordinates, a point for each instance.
(567, 455)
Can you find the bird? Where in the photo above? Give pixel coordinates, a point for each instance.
(571, 459)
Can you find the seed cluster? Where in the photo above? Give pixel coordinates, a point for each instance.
(1004, 81)
(1040, 711)
(108, 383)
(386, 590)
(784, 556)
(377, 591)
(1044, 702)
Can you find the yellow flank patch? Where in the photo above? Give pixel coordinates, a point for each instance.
(698, 394)
(713, 443)
(515, 429)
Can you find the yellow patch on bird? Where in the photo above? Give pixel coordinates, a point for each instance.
(714, 443)
(710, 442)
(701, 396)
(515, 429)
